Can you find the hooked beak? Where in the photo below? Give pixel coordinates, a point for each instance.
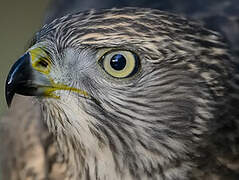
(29, 76)
(24, 79)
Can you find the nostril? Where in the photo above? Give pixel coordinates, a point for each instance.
(43, 63)
(40, 60)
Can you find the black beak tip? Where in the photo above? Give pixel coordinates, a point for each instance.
(9, 96)
(15, 76)
(9, 91)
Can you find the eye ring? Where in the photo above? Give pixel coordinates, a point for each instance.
(120, 63)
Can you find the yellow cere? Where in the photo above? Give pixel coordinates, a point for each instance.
(40, 60)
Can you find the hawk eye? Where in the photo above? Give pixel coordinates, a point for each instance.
(120, 63)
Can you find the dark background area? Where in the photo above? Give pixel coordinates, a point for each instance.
(18, 22)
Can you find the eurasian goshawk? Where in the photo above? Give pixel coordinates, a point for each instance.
(134, 94)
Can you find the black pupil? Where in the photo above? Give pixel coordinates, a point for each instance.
(118, 62)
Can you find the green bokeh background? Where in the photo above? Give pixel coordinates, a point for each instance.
(19, 20)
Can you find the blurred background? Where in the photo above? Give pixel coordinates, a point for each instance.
(19, 20)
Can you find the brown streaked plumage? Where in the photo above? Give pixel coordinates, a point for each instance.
(170, 119)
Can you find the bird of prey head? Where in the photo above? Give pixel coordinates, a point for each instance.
(129, 93)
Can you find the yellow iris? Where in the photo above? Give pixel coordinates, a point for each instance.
(119, 63)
